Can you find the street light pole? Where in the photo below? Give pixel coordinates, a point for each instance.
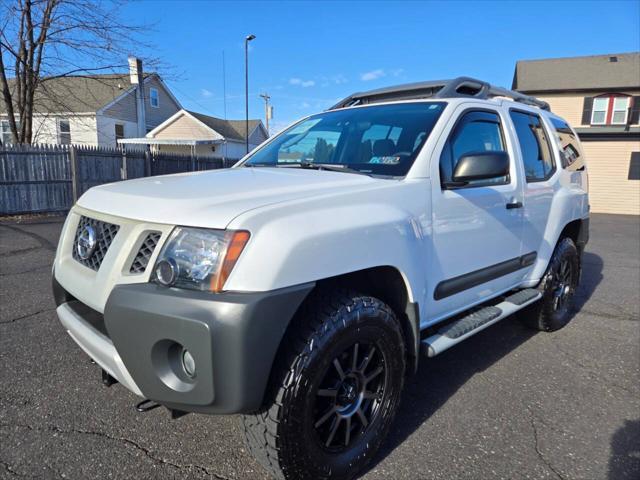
(247, 39)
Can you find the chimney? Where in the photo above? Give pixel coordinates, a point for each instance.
(137, 79)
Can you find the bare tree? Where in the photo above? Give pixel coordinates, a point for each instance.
(43, 40)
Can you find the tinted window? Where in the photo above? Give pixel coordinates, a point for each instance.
(534, 145)
(380, 139)
(570, 151)
(475, 132)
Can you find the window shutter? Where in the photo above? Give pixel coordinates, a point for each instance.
(586, 110)
(635, 110)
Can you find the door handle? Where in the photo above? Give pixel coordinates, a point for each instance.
(512, 205)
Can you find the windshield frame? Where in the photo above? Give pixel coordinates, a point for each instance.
(414, 157)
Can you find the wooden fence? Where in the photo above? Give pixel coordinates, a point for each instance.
(50, 178)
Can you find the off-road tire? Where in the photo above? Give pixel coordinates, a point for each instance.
(282, 436)
(544, 315)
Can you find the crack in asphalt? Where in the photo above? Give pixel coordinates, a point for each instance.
(590, 372)
(19, 251)
(31, 270)
(10, 469)
(45, 243)
(124, 440)
(24, 317)
(623, 317)
(532, 421)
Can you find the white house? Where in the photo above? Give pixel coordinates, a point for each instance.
(203, 135)
(97, 109)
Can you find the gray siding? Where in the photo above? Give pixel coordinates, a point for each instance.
(257, 137)
(124, 109)
(155, 116)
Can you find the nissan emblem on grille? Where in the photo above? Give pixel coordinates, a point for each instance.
(92, 240)
(87, 242)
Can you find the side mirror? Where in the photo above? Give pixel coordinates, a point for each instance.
(481, 166)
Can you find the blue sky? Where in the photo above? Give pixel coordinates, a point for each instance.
(307, 55)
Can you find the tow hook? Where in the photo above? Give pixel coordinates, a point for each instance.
(107, 379)
(146, 405)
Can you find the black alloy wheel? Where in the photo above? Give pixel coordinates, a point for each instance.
(558, 287)
(349, 397)
(563, 286)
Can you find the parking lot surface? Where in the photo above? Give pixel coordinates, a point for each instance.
(508, 403)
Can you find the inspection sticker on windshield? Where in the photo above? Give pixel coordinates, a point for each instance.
(391, 160)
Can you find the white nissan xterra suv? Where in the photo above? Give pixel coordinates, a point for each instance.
(299, 287)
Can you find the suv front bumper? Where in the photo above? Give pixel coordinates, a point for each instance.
(233, 338)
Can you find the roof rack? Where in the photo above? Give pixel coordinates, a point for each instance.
(465, 87)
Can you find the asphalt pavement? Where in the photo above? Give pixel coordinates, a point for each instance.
(508, 403)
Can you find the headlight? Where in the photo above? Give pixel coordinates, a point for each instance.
(198, 258)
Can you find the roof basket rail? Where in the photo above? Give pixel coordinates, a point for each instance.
(465, 87)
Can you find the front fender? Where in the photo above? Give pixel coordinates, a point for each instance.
(312, 239)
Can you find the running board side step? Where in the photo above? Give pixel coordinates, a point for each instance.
(478, 320)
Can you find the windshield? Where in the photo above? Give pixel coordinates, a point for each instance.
(379, 140)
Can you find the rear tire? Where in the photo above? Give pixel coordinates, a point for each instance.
(334, 391)
(558, 287)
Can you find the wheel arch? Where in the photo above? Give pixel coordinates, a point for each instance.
(578, 231)
(386, 283)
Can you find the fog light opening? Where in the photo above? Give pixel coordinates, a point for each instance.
(188, 363)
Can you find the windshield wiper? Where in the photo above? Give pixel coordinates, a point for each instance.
(332, 167)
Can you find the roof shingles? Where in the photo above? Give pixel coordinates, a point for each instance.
(596, 72)
(77, 94)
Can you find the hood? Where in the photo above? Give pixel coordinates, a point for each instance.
(213, 198)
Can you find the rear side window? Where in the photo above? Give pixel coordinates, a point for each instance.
(534, 145)
(477, 131)
(570, 150)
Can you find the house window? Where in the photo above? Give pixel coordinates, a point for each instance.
(154, 98)
(5, 132)
(64, 132)
(610, 110)
(620, 110)
(119, 131)
(599, 114)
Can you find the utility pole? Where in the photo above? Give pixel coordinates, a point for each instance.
(267, 111)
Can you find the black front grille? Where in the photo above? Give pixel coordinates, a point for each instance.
(105, 233)
(143, 256)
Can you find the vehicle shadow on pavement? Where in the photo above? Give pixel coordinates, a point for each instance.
(439, 378)
(625, 451)
(592, 266)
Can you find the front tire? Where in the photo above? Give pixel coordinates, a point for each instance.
(335, 390)
(558, 287)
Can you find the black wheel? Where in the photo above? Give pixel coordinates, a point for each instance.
(334, 392)
(558, 287)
